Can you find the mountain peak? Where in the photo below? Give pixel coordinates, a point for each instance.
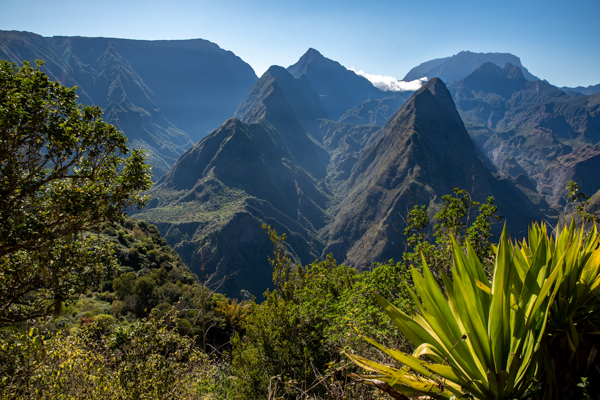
(276, 72)
(438, 89)
(462, 64)
(490, 78)
(337, 88)
(435, 85)
(312, 53)
(312, 59)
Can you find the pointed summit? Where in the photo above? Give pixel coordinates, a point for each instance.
(291, 107)
(311, 56)
(422, 153)
(338, 88)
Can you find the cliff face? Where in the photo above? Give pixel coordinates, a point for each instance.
(525, 127)
(164, 95)
(422, 153)
(581, 166)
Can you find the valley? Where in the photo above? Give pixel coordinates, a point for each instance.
(318, 152)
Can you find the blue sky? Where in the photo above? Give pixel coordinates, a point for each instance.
(556, 40)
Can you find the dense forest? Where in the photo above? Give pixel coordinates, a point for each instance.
(96, 304)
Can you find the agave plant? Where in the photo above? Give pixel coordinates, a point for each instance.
(574, 311)
(483, 338)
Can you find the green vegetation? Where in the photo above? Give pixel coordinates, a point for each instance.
(491, 338)
(77, 280)
(292, 339)
(144, 360)
(460, 219)
(62, 174)
(94, 304)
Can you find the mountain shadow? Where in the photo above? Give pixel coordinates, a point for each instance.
(422, 153)
(164, 95)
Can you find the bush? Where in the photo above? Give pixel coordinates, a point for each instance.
(146, 360)
(491, 338)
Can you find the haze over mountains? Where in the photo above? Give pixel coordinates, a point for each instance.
(462, 64)
(317, 151)
(165, 95)
(331, 186)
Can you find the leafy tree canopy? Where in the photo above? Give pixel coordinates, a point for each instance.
(62, 174)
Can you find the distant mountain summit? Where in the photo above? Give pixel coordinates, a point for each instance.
(337, 87)
(164, 95)
(422, 153)
(462, 64)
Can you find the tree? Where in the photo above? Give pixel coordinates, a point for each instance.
(582, 203)
(62, 174)
(460, 218)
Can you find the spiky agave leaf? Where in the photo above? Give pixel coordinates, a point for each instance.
(483, 336)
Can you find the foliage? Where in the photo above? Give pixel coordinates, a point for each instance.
(490, 339)
(573, 312)
(234, 313)
(147, 360)
(581, 202)
(452, 221)
(573, 318)
(62, 173)
(291, 343)
(286, 276)
(484, 337)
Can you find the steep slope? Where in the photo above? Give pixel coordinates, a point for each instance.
(212, 203)
(262, 167)
(18, 46)
(292, 109)
(155, 91)
(110, 82)
(338, 88)
(581, 166)
(462, 64)
(423, 152)
(523, 126)
(196, 84)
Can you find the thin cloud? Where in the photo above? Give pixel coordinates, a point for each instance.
(389, 83)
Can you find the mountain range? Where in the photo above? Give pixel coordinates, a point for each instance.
(524, 127)
(319, 153)
(290, 160)
(165, 95)
(462, 64)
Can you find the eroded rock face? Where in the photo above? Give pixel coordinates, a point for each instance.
(528, 154)
(421, 153)
(164, 95)
(581, 166)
